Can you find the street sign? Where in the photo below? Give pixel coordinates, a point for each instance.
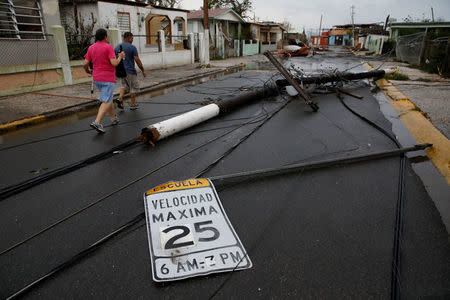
(189, 233)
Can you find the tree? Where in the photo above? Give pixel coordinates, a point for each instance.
(287, 25)
(242, 8)
(165, 3)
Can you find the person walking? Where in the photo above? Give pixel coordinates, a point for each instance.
(130, 83)
(103, 59)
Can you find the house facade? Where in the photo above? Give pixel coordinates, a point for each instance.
(26, 26)
(29, 59)
(272, 32)
(339, 37)
(222, 22)
(143, 20)
(438, 28)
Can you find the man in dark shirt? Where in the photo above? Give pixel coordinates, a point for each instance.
(130, 83)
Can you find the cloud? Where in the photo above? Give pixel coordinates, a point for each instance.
(307, 13)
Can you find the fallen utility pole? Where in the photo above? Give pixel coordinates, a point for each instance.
(291, 80)
(317, 164)
(166, 128)
(335, 77)
(221, 179)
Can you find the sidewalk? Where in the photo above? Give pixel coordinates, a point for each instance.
(429, 92)
(34, 107)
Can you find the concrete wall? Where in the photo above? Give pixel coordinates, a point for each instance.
(178, 58)
(250, 48)
(267, 47)
(35, 77)
(50, 12)
(374, 43)
(24, 52)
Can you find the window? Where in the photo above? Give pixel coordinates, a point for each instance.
(123, 21)
(21, 20)
(180, 27)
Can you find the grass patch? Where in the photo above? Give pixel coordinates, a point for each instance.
(203, 66)
(424, 79)
(396, 76)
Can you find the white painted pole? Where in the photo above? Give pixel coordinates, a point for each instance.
(173, 125)
(206, 46)
(192, 46)
(201, 48)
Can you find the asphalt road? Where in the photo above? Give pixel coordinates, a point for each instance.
(326, 233)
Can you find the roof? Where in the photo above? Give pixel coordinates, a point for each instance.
(126, 2)
(167, 8)
(271, 24)
(212, 13)
(420, 25)
(357, 25)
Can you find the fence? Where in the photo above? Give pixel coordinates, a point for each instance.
(78, 44)
(268, 46)
(436, 56)
(28, 52)
(57, 60)
(409, 48)
(430, 55)
(250, 48)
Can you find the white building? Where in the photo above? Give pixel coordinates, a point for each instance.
(141, 19)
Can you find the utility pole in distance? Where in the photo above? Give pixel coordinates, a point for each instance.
(206, 30)
(352, 9)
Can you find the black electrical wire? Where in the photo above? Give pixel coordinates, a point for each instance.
(137, 219)
(90, 129)
(78, 256)
(27, 184)
(235, 89)
(120, 189)
(126, 226)
(399, 214)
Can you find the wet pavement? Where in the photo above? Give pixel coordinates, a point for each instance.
(429, 92)
(326, 233)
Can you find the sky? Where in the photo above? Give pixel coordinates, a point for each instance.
(306, 13)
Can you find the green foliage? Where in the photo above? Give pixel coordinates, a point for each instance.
(389, 46)
(80, 38)
(396, 76)
(165, 3)
(240, 7)
(424, 79)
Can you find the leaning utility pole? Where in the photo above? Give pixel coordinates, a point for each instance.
(320, 26)
(206, 30)
(352, 8)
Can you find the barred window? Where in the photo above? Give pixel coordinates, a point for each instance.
(123, 21)
(21, 20)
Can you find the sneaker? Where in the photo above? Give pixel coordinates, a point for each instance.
(98, 127)
(115, 121)
(119, 103)
(134, 107)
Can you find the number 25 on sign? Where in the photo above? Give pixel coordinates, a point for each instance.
(178, 236)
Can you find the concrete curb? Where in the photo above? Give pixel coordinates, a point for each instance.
(419, 126)
(59, 113)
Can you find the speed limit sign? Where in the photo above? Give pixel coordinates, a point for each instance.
(189, 233)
